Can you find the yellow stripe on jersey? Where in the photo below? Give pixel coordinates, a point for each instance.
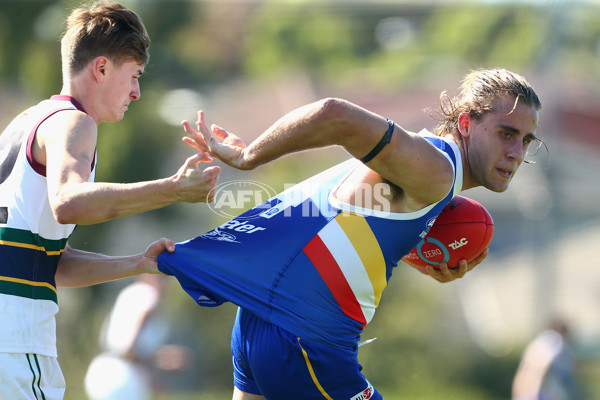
(27, 282)
(31, 246)
(366, 245)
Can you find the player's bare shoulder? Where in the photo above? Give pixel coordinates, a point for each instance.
(66, 129)
(414, 164)
(70, 124)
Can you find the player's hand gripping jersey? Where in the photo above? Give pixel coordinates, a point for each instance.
(303, 260)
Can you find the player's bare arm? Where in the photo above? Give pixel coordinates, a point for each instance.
(79, 268)
(68, 160)
(408, 161)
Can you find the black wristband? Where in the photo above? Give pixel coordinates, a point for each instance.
(387, 137)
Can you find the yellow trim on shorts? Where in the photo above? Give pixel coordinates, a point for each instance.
(311, 371)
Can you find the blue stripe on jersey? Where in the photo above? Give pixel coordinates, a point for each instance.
(43, 267)
(18, 248)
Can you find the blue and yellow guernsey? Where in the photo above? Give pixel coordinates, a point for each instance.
(31, 240)
(304, 260)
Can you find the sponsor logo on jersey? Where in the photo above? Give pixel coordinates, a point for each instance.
(216, 234)
(241, 226)
(365, 394)
(234, 225)
(429, 225)
(271, 212)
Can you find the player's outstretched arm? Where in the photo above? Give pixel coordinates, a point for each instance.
(409, 161)
(75, 201)
(445, 274)
(79, 268)
(323, 123)
(68, 158)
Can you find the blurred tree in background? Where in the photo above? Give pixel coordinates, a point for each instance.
(202, 46)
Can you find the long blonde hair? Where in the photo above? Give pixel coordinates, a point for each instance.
(477, 94)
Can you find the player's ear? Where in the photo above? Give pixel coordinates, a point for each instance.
(99, 65)
(464, 123)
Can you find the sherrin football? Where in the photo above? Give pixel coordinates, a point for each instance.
(464, 229)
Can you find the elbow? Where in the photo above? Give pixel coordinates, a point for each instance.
(67, 212)
(332, 108)
(339, 115)
(63, 215)
(341, 120)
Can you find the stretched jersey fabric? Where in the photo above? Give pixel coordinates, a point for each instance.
(303, 260)
(31, 241)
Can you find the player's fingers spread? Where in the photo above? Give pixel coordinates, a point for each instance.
(200, 119)
(194, 143)
(219, 132)
(201, 124)
(208, 139)
(193, 135)
(199, 135)
(189, 131)
(188, 128)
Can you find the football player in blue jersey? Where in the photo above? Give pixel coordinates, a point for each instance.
(307, 283)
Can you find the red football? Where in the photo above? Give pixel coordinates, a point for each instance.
(464, 229)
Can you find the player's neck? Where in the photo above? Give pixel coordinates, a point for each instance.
(84, 95)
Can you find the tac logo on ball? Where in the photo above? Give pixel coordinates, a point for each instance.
(463, 230)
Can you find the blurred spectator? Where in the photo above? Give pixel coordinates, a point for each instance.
(547, 367)
(131, 342)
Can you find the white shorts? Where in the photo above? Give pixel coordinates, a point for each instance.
(30, 377)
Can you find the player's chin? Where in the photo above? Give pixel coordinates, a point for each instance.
(497, 189)
(115, 117)
(498, 186)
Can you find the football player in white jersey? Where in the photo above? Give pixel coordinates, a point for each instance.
(47, 169)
